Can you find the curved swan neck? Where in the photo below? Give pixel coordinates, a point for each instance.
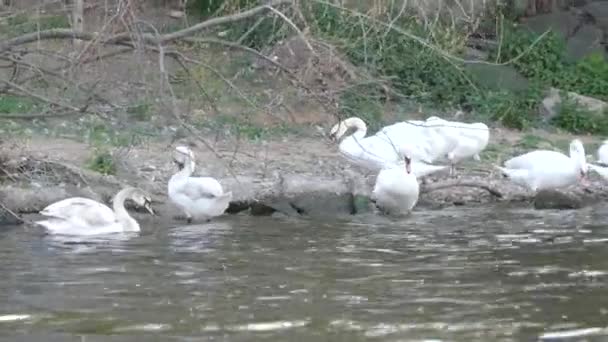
(188, 169)
(358, 124)
(118, 204)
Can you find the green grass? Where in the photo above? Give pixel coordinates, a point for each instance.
(21, 24)
(10, 104)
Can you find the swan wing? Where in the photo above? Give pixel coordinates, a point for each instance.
(534, 159)
(602, 154)
(396, 191)
(201, 187)
(602, 171)
(90, 212)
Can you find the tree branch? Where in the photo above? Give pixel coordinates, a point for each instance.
(462, 183)
(152, 39)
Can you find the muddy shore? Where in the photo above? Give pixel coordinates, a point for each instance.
(293, 176)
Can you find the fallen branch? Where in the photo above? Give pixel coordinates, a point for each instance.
(152, 39)
(460, 183)
(11, 213)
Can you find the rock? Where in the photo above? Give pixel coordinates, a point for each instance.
(564, 23)
(497, 77)
(8, 219)
(550, 105)
(553, 199)
(586, 40)
(315, 197)
(598, 10)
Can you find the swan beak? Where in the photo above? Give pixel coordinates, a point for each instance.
(149, 208)
(408, 165)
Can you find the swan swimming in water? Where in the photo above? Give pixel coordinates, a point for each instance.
(396, 190)
(543, 169)
(201, 198)
(377, 152)
(84, 216)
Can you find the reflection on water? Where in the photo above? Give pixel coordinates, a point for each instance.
(449, 275)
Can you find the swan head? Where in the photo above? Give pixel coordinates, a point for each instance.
(183, 154)
(339, 129)
(407, 157)
(141, 199)
(577, 152)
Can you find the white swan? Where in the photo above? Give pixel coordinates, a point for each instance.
(602, 153)
(201, 198)
(84, 216)
(601, 170)
(542, 169)
(396, 190)
(379, 151)
(457, 141)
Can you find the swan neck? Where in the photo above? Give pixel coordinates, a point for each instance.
(188, 169)
(359, 126)
(118, 204)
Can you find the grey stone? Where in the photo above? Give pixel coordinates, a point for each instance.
(586, 40)
(497, 77)
(8, 219)
(550, 105)
(317, 197)
(553, 199)
(561, 22)
(598, 10)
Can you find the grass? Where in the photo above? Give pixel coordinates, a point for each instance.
(11, 104)
(22, 23)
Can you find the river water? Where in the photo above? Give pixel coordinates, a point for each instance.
(447, 275)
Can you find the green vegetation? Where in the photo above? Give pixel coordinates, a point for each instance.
(575, 118)
(10, 104)
(103, 162)
(21, 24)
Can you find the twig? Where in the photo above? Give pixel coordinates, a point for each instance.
(12, 213)
(461, 183)
(152, 39)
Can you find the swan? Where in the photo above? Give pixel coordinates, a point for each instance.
(200, 198)
(84, 216)
(601, 170)
(376, 152)
(602, 153)
(458, 141)
(396, 190)
(543, 169)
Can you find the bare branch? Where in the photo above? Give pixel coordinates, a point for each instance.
(462, 183)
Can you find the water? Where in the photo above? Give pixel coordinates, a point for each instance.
(450, 275)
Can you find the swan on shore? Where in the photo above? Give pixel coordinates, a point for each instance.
(602, 153)
(84, 216)
(543, 169)
(200, 198)
(380, 151)
(396, 190)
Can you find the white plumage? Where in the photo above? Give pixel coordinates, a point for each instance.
(396, 190)
(83, 216)
(201, 198)
(602, 153)
(381, 151)
(543, 169)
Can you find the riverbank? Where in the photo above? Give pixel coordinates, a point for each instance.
(300, 175)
